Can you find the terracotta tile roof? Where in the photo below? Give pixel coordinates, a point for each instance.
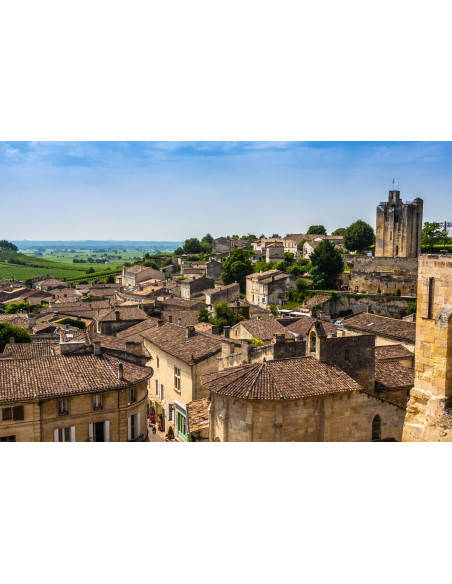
(173, 340)
(187, 317)
(31, 350)
(382, 325)
(392, 352)
(198, 415)
(125, 313)
(391, 375)
(135, 269)
(19, 320)
(137, 329)
(63, 375)
(181, 303)
(263, 329)
(281, 379)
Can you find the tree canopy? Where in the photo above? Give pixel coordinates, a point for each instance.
(316, 230)
(327, 265)
(8, 331)
(340, 231)
(192, 246)
(237, 266)
(359, 236)
(432, 235)
(4, 244)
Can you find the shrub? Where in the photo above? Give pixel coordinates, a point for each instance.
(7, 331)
(378, 291)
(170, 433)
(72, 322)
(257, 342)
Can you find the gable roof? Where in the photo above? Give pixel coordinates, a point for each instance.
(264, 329)
(383, 326)
(387, 352)
(173, 340)
(391, 375)
(281, 379)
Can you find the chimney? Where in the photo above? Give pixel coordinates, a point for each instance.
(226, 349)
(245, 350)
(227, 331)
(55, 313)
(117, 314)
(170, 318)
(160, 322)
(190, 332)
(278, 338)
(97, 348)
(215, 329)
(120, 372)
(368, 309)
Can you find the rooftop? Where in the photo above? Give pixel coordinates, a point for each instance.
(281, 379)
(391, 375)
(382, 326)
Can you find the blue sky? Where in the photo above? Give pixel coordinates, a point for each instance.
(174, 190)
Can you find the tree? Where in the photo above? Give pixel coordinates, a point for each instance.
(16, 307)
(178, 252)
(203, 315)
(327, 265)
(237, 266)
(358, 236)
(223, 316)
(90, 271)
(300, 292)
(4, 244)
(207, 238)
(8, 331)
(316, 230)
(192, 246)
(111, 279)
(340, 231)
(73, 322)
(431, 235)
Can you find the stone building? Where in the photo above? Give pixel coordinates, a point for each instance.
(397, 246)
(429, 411)
(386, 330)
(137, 274)
(49, 397)
(268, 287)
(193, 286)
(180, 355)
(399, 227)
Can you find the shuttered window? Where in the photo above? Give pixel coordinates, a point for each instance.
(15, 413)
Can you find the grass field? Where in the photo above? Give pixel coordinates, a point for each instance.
(58, 264)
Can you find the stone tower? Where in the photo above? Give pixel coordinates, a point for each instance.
(429, 411)
(399, 228)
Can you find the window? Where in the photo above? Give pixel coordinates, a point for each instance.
(133, 427)
(177, 379)
(8, 439)
(13, 414)
(156, 387)
(133, 395)
(181, 424)
(99, 431)
(162, 393)
(376, 428)
(98, 401)
(170, 413)
(431, 282)
(158, 362)
(64, 434)
(63, 407)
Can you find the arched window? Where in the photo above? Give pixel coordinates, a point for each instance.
(376, 428)
(312, 342)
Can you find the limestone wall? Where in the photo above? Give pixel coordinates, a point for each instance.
(331, 418)
(385, 273)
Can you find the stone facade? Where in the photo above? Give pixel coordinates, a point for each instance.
(193, 286)
(330, 418)
(399, 227)
(429, 413)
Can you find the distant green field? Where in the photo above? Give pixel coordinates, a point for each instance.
(58, 265)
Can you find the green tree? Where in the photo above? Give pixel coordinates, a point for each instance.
(327, 265)
(207, 238)
(90, 271)
(73, 322)
(316, 230)
(273, 309)
(111, 279)
(4, 244)
(192, 246)
(178, 251)
(203, 315)
(431, 235)
(223, 316)
(358, 236)
(237, 266)
(16, 307)
(340, 231)
(8, 331)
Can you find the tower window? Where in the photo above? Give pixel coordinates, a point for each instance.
(376, 428)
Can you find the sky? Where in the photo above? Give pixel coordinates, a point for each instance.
(169, 191)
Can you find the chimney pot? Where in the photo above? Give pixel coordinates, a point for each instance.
(170, 318)
(227, 331)
(160, 322)
(190, 331)
(97, 348)
(117, 314)
(215, 329)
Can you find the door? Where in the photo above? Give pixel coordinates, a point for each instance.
(98, 432)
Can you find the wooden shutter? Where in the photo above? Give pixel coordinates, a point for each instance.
(106, 431)
(18, 413)
(72, 433)
(129, 427)
(138, 428)
(55, 435)
(91, 432)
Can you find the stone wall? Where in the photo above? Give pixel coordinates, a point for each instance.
(345, 304)
(429, 416)
(280, 348)
(330, 418)
(385, 273)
